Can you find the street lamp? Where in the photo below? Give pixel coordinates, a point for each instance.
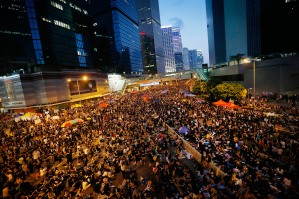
(248, 92)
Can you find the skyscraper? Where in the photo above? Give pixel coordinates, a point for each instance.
(216, 31)
(45, 34)
(193, 59)
(251, 27)
(179, 65)
(169, 59)
(186, 60)
(177, 40)
(199, 58)
(150, 36)
(117, 35)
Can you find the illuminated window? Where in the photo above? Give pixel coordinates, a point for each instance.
(56, 5)
(61, 24)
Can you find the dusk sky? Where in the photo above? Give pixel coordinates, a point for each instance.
(190, 16)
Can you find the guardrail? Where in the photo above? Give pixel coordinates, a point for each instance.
(196, 155)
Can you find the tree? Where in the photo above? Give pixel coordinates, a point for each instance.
(239, 91)
(234, 91)
(237, 57)
(200, 87)
(212, 83)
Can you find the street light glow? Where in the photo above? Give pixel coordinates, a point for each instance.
(85, 78)
(69, 80)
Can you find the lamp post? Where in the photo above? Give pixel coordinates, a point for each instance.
(254, 84)
(248, 92)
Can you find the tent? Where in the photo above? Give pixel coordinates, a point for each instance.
(76, 105)
(164, 92)
(103, 105)
(230, 105)
(199, 102)
(6, 118)
(134, 92)
(157, 101)
(183, 130)
(220, 102)
(190, 95)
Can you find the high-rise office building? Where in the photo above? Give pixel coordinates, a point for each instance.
(117, 35)
(179, 65)
(150, 36)
(45, 34)
(186, 60)
(216, 31)
(167, 39)
(199, 58)
(193, 59)
(251, 27)
(177, 39)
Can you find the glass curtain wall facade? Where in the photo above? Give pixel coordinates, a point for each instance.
(186, 60)
(199, 58)
(193, 59)
(117, 36)
(150, 36)
(169, 59)
(16, 44)
(179, 66)
(177, 39)
(48, 34)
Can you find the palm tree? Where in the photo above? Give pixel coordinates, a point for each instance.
(237, 57)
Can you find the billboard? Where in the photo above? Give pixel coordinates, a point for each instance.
(85, 86)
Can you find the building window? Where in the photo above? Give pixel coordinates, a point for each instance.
(56, 5)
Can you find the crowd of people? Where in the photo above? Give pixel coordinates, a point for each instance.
(125, 151)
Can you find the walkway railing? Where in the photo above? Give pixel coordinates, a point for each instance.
(196, 155)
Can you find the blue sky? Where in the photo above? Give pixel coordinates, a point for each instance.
(190, 16)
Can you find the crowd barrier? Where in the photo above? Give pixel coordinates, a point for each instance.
(196, 155)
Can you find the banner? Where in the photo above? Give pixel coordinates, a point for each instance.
(85, 86)
(170, 82)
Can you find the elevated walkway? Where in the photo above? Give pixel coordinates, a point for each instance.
(200, 75)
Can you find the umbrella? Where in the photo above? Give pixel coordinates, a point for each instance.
(184, 92)
(165, 91)
(76, 105)
(190, 95)
(199, 102)
(220, 102)
(6, 118)
(69, 123)
(28, 114)
(134, 92)
(78, 120)
(110, 101)
(183, 130)
(19, 115)
(157, 101)
(103, 104)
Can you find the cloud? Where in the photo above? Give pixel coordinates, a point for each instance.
(178, 2)
(177, 22)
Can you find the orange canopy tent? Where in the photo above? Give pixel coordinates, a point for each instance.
(134, 92)
(230, 105)
(103, 105)
(219, 103)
